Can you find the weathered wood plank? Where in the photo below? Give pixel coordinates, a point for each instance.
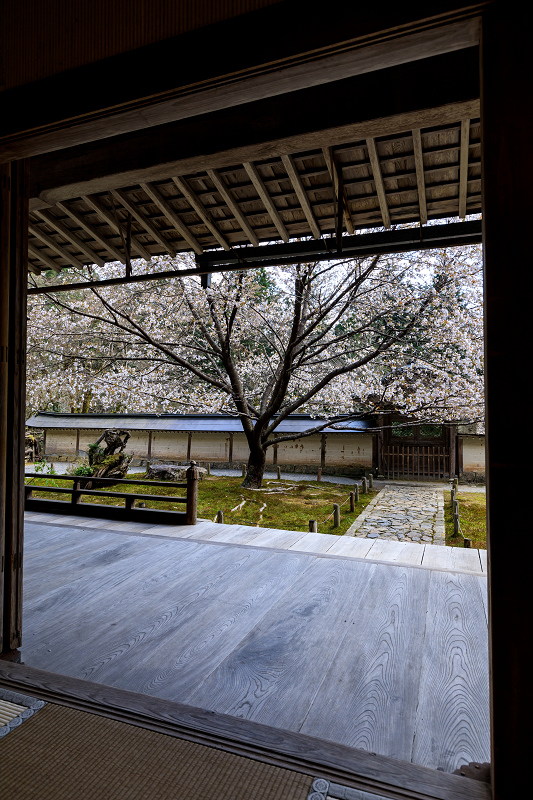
(278, 538)
(314, 543)
(350, 546)
(437, 557)
(466, 558)
(187, 634)
(384, 550)
(275, 674)
(334, 762)
(454, 685)
(376, 673)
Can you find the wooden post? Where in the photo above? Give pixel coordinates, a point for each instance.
(319, 476)
(230, 453)
(364, 486)
(356, 493)
(467, 542)
(208, 468)
(352, 502)
(28, 493)
(192, 494)
(322, 452)
(507, 173)
(129, 503)
(278, 472)
(76, 493)
(14, 183)
(336, 515)
(370, 481)
(243, 471)
(313, 526)
(189, 445)
(220, 517)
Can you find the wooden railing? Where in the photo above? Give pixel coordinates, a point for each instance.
(418, 462)
(128, 512)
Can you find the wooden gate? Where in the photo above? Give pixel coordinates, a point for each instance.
(416, 461)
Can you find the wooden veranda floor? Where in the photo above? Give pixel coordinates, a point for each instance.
(386, 656)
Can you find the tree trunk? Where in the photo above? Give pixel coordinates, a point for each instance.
(255, 468)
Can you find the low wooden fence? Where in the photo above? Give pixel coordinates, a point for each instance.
(418, 462)
(128, 512)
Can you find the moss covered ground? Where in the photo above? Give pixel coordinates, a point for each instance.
(472, 516)
(284, 504)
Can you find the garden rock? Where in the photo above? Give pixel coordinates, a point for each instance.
(170, 472)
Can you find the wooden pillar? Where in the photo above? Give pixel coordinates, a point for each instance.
(230, 454)
(507, 177)
(13, 269)
(323, 450)
(452, 449)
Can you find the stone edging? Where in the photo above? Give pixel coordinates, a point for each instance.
(356, 524)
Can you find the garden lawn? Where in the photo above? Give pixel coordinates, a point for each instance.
(286, 505)
(472, 516)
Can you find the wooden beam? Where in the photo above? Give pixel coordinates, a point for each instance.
(92, 231)
(70, 236)
(348, 766)
(338, 188)
(301, 194)
(223, 191)
(378, 180)
(269, 127)
(202, 212)
(49, 242)
(50, 263)
(141, 219)
(171, 216)
(420, 180)
(163, 85)
(14, 192)
(507, 117)
(267, 201)
(463, 167)
(103, 212)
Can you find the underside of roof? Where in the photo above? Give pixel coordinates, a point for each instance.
(377, 182)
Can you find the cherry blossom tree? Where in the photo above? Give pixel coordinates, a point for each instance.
(337, 340)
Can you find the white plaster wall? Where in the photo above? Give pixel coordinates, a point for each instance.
(473, 453)
(347, 450)
(171, 445)
(61, 441)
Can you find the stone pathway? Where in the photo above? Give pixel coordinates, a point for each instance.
(403, 514)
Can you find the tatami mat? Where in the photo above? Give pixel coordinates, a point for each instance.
(65, 754)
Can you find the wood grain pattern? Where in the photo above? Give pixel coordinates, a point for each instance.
(454, 683)
(376, 673)
(278, 669)
(334, 762)
(328, 644)
(350, 546)
(192, 634)
(402, 552)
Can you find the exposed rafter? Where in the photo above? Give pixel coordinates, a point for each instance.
(223, 190)
(301, 194)
(92, 231)
(114, 224)
(463, 167)
(171, 216)
(34, 253)
(70, 236)
(334, 175)
(420, 179)
(267, 201)
(52, 245)
(122, 198)
(202, 212)
(378, 181)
